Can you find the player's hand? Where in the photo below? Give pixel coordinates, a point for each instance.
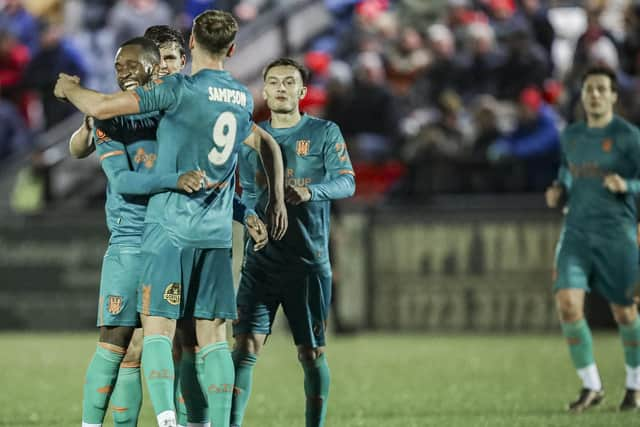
(258, 232)
(278, 221)
(190, 181)
(553, 195)
(615, 183)
(295, 195)
(63, 83)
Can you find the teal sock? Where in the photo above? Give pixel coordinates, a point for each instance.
(157, 365)
(631, 343)
(218, 382)
(99, 381)
(126, 400)
(243, 364)
(316, 389)
(181, 409)
(578, 337)
(195, 400)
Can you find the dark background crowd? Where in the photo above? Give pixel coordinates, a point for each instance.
(439, 96)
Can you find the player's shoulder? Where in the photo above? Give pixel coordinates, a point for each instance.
(575, 128)
(170, 82)
(319, 124)
(624, 126)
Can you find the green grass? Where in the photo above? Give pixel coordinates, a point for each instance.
(377, 380)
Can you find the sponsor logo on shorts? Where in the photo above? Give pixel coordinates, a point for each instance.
(302, 147)
(172, 293)
(114, 304)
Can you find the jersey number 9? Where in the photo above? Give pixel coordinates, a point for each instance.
(224, 137)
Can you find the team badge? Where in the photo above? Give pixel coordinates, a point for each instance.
(607, 144)
(302, 147)
(172, 293)
(102, 136)
(114, 304)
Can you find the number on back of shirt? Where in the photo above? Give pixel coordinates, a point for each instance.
(224, 137)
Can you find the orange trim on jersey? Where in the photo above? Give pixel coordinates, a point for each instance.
(130, 364)
(111, 154)
(113, 348)
(136, 96)
(347, 172)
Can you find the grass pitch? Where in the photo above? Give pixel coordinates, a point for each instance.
(377, 380)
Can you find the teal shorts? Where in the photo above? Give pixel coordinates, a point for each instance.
(305, 298)
(179, 282)
(604, 263)
(121, 267)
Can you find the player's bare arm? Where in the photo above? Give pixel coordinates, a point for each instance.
(271, 158)
(81, 142)
(297, 194)
(95, 104)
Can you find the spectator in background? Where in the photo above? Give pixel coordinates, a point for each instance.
(14, 135)
(526, 63)
(14, 58)
(17, 20)
(538, 17)
(630, 49)
(535, 141)
(481, 63)
(129, 17)
(444, 72)
(57, 55)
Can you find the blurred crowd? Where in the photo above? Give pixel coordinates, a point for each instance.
(438, 96)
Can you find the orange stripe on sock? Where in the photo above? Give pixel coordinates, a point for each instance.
(119, 409)
(112, 348)
(104, 390)
(130, 365)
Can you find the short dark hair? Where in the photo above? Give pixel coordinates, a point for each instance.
(215, 31)
(601, 70)
(149, 48)
(163, 34)
(287, 62)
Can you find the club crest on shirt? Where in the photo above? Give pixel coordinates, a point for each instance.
(607, 145)
(101, 136)
(302, 147)
(143, 157)
(114, 304)
(172, 293)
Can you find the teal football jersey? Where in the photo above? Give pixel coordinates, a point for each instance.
(588, 155)
(128, 152)
(315, 156)
(205, 119)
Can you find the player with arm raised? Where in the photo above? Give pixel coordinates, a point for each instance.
(600, 177)
(187, 273)
(127, 150)
(294, 272)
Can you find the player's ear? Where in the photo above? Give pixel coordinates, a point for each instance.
(231, 50)
(264, 94)
(614, 97)
(303, 92)
(183, 61)
(191, 42)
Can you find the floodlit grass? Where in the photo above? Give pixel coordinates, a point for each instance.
(377, 380)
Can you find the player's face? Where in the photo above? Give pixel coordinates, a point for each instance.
(283, 89)
(132, 69)
(171, 62)
(597, 96)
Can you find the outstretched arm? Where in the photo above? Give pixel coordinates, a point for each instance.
(95, 104)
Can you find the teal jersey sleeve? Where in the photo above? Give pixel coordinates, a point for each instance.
(564, 175)
(633, 153)
(240, 210)
(115, 164)
(340, 182)
(159, 95)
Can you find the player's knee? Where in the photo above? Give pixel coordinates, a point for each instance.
(134, 351)
(569, 309)
(624, 315)
(116, 335)
(309, 353)
(249, 343)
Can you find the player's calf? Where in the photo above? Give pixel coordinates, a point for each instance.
(316, 384)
